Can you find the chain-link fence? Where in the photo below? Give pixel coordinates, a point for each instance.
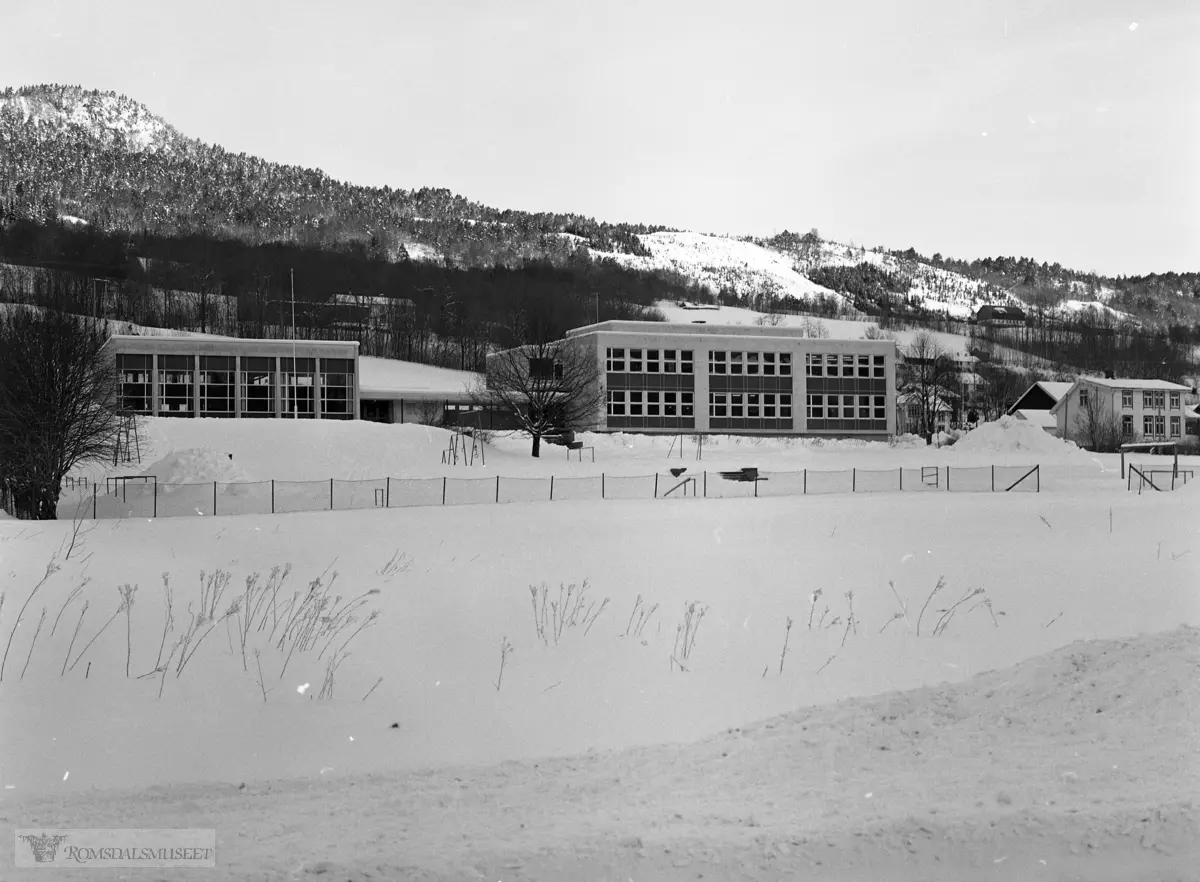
(143, 496)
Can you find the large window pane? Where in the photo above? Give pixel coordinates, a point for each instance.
(134, 376)
(297, 379)
(216, 385)
(258, 387)
(176, 389)
(336, 388)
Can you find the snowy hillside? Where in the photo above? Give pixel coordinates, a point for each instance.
(109, 118)
(932, 288)
(1073, 308)
(720, 262)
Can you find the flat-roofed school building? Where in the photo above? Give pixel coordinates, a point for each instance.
(675, 377)
(236, 378)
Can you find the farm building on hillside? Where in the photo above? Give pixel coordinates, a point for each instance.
(1000, 316)
(232, 377)
(739, 379)
(1152, 410)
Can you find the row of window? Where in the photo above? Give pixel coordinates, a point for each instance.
(766, 364)
(636, 403)
(178, 393)
(1150, 400)
(750, 405)
(1153, 426)
(819, 365)
(848, 407)
(649, 361)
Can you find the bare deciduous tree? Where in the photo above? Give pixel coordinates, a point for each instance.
(929, 377)
(58, 406)
(550, 384)
(999, 388)
(1097, 423)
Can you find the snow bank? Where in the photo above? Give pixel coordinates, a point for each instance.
(197, 465)
(1009, 435)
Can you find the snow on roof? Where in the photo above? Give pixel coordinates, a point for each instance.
(391, 378)
(1131, 383)
(1041, 418)
(1054, 389)
(1124, 383)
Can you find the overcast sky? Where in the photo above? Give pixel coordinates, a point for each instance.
(1053, 129)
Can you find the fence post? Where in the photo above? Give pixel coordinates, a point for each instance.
(552, 488)
(272, 496)
(756, 487)
(656, 485)
(854, 480)
(947, 479)
(602, 485)
(901, 477)
(497, 488)
(155, 497)
(214, 498)
(443, 489)
(993, 477)
(387, 495)
(806, 482)
(706, 483)
(1038, 474)
(331, 494)
(93, 502)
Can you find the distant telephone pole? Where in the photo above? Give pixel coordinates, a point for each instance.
(295, 370)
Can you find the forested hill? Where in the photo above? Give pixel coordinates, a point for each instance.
(83, 170)
(107, 160)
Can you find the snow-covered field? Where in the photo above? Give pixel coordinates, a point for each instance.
(620, 736)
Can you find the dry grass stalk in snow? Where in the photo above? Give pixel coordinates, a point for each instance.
(32, 643)
(398, 563)
(75, 592)
(331, 667)
(127, 592)
(372, 689)
(505, 649)
(685, 634)
(52, 567)
(317, 618)
(941, 583)
(71, 645)
(212, 588)
(947, 614)
(639, 617)
(258, 664)
(552, 617)
(786, 634)
(78, 534)
(168, 623)
(120, 608)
